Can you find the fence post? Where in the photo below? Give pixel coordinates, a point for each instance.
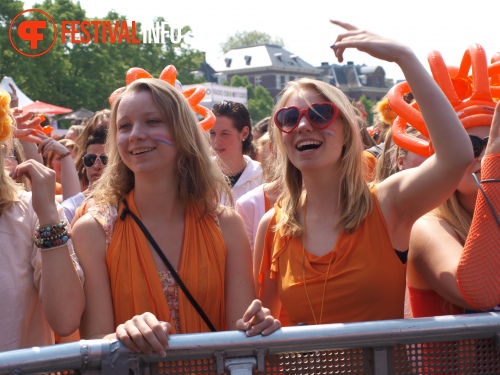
(380, 361)
(241, 366)
(114, 361)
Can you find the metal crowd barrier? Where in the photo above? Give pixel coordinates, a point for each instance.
(461, 344)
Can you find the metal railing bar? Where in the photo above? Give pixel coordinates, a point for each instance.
(236, 344)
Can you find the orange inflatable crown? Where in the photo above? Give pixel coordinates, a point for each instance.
(472, 96)
(194, 95)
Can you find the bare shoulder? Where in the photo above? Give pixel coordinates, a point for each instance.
(86, 223)
(266, 219)
(228, 217)
(430, 233)
(88, 236)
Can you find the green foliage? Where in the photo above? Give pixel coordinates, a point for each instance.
(84, 75)
(368, 104)
(260, 102)
(249, 38)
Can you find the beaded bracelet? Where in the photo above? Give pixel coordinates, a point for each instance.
(65, 155)
(48, 237)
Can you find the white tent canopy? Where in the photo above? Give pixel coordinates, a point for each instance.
(23, 99)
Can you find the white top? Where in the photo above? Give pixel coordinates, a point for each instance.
(22, 321)
(249, 179)
(251, 207)
(71, 204)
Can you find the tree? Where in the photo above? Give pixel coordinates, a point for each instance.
(84, 75)
(368, 104)
(260, 102)
(249, 38)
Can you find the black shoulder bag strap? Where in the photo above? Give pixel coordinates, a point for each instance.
(177, 278)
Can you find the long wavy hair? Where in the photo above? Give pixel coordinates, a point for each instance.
(8, 187)
(199, 179)
(355, 199)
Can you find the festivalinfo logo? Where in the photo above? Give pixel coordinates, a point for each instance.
(36, 37)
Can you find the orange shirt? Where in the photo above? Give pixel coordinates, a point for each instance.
(366, 280)
(136, 286)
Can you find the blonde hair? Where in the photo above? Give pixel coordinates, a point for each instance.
(386, 165)
(355, 201)
(198, 177)
(8, 187)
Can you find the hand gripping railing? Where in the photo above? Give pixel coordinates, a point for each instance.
(234, 353)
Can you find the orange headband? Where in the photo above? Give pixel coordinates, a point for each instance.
(472, 97)
(194, 95)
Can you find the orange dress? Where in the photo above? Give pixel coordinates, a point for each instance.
(135, 283)
(366, 279)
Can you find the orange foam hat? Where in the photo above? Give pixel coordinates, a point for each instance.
(472, 96)
(193, 95)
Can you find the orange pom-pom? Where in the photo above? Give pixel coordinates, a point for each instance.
(5, 119)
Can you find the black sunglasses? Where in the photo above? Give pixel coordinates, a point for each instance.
(319, 115)
(478, 144)
(89, 159)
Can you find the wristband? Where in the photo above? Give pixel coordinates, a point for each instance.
(64, 155)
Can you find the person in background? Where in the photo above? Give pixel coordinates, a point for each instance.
(74, 132)
(453, 262)
(100, 118)
(95, 160)
(29, 261)
(231, 139)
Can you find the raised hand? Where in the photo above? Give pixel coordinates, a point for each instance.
(50, 144)
(258, 319)
(14, 100)
(366, 41)
(25, 129)
(43, 184)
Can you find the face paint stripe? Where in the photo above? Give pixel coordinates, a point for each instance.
(164, 139)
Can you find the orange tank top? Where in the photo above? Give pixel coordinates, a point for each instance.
(366, 280)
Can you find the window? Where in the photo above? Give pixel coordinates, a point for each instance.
(257, 81)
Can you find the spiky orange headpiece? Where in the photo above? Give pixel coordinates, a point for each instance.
(193, 95)
(473, 97)
(5, 119)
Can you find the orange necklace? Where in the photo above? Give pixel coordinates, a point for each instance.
(304, 273)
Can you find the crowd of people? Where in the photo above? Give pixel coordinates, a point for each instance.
(138, 224)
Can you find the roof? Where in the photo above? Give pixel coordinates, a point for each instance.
(261, 56)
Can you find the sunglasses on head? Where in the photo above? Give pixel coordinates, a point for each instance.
(319, 115)
(89, 159)
(478, 144)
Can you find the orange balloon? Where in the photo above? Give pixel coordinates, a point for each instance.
(134, 74)
(169, 74)
(471, 95)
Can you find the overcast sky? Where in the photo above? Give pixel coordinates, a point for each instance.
(445, 25)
